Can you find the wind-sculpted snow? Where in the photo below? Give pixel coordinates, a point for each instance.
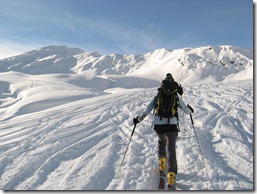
(21, 93)
(79, 145)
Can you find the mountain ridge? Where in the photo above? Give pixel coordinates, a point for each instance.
(200, 64)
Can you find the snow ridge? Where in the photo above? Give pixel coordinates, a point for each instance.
(203, 64)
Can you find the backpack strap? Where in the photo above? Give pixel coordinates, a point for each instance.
(160, 103)
(155, 100)
(155, 103)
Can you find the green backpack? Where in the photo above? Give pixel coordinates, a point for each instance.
(166, 101)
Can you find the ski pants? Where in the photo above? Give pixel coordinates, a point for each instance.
(168, 140)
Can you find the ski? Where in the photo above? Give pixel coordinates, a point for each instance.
(162, 180)
(171, 188)
(162, 183)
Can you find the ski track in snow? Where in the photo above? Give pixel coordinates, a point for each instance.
(80, 145)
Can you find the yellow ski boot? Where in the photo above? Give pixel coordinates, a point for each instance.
(171, 180)
(162, 163)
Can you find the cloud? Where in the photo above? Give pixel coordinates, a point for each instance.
(124, 35)
(120, 35)
(9, 49)
(102, 34)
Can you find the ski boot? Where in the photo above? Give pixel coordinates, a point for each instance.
(171, 180)
(162, 163)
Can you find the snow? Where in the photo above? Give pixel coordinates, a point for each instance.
(66, 119)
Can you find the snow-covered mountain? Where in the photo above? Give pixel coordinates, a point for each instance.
(51, 59)
(66, 117)
(211, 63)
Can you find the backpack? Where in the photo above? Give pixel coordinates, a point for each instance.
(166, 101)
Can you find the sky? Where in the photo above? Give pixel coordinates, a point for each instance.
(123, 26)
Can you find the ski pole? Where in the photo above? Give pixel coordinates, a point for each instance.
(197, 140)
(183, 118)
(127, 147)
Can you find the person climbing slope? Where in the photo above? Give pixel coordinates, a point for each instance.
(165, 105)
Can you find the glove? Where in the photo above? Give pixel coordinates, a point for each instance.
(192, 110)
(135, 120)
(180, 90)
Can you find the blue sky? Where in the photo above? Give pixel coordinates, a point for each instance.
(123, 26)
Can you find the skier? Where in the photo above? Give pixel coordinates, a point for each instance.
(165, 105)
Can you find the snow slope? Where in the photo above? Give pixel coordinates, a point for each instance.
(203, 64)
(69, 131)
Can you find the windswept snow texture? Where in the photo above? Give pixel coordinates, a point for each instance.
(68, 129)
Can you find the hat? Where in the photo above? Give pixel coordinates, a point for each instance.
(169, 77)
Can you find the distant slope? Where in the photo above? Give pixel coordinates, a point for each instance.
(203, 64)
(46, 60)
